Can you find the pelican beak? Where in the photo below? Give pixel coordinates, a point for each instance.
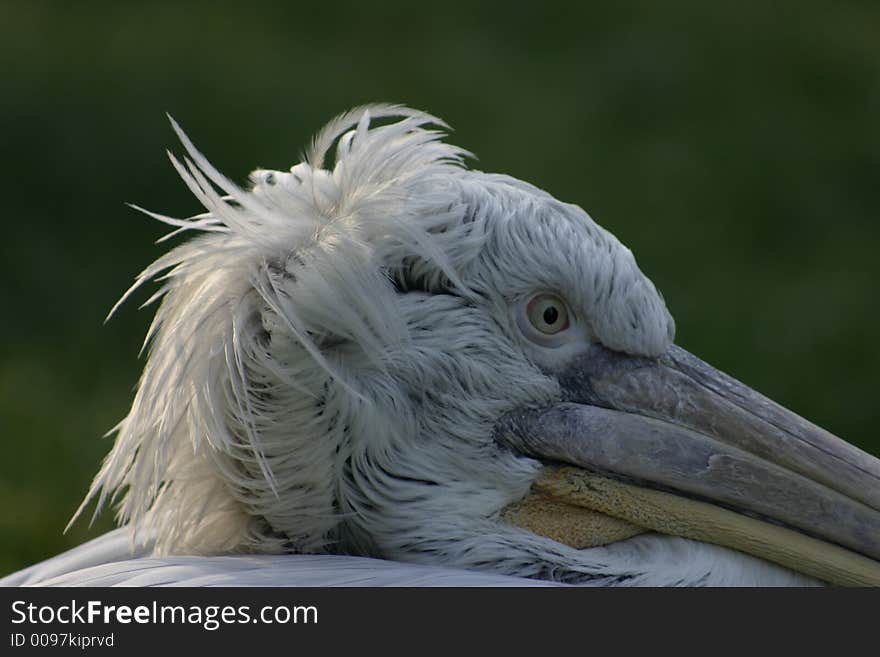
(675, 446)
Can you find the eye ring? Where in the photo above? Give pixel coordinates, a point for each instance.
(547, 314)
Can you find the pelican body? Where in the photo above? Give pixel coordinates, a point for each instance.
(384, 356)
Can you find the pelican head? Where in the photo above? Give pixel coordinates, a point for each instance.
(389, 354)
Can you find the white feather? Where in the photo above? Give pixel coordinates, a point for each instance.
(109, 561)
(294, 401)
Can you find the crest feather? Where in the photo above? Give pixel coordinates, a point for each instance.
(237, 350)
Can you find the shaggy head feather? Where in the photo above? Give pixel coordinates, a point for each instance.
(334, 346)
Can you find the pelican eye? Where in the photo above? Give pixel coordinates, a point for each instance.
(547, 314)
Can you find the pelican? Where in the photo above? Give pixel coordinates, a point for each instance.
(384, 367)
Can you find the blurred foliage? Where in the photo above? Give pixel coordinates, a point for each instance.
(734, 147)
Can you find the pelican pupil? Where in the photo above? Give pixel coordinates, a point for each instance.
(551, 315)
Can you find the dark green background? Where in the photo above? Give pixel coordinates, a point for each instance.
(736, 151)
